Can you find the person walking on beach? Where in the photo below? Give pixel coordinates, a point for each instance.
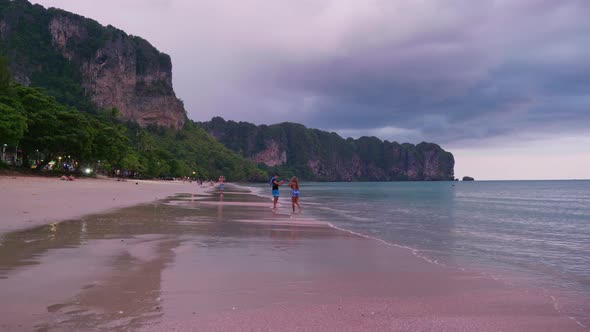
(221, 184)
(275, 183)
(294, 185)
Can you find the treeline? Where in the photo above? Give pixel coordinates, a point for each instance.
(46, 130)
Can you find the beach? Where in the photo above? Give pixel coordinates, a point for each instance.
(171, 256)
(27, 201)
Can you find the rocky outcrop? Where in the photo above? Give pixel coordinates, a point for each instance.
(272, 155)
(125, 72)
(114, 69)
(318, 155)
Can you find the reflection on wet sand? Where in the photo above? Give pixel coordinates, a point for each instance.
(105, 271)
(127, 297)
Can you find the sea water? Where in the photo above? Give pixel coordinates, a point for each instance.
(533, 232)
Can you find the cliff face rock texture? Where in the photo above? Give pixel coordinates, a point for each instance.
(272, 155)
(112, 68)
(318, 155)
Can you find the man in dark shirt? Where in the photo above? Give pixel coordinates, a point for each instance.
(275, 183)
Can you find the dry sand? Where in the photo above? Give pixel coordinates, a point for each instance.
(31, 201)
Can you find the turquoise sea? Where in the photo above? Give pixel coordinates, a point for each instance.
(528, 233)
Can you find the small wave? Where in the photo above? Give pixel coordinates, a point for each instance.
(414, 251)
(257, 191)
(417, 253)
(557, 306)
(344, 214)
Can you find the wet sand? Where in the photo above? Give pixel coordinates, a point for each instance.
(198, 263)
(27, 201)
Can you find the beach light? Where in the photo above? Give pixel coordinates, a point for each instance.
(88, 171)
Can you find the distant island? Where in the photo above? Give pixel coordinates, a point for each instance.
(468, 178)
(112, 94)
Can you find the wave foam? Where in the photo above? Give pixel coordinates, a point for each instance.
(414, 251)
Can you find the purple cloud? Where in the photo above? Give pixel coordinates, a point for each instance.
(444, 71)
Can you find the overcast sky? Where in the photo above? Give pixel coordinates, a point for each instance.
(503, 84)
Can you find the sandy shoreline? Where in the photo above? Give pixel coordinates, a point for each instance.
(202, 262)
(27, 201)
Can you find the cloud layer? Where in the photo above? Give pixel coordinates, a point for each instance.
(453, 72)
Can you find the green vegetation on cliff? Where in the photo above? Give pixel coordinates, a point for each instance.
(319, 155)
(37, 60)
(191, 149)
(26, 41)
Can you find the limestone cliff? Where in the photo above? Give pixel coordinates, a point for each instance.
(112, 68)
(318, 155)
(271, 155)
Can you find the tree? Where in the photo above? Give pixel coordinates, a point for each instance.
(12, 125)
(132, 162)
(110, 143)
(42, 123)
(53, 129)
